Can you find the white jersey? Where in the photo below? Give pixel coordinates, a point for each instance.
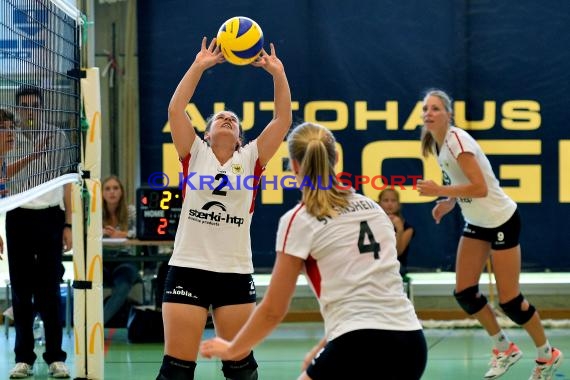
(488, 212)
(213, 231)
(43, 169)
(351, 265)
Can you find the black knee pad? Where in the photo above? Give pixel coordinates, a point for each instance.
(245, 369)
(513, 310)
(176, 369)
(471, 300)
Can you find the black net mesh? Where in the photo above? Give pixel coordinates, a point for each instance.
(40, 104)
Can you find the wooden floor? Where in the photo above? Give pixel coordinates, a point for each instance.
(456, 350)
(458, 353)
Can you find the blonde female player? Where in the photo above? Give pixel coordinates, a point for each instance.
(345, 244)
(211, 265)
(492, 228)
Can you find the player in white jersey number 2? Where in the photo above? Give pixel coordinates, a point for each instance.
(211, 265)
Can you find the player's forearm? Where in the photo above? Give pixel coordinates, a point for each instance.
(261, 323)
(282, 98)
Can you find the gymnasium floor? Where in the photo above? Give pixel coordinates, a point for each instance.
(453, 354)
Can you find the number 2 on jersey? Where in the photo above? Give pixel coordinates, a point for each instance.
(366, 234)
(223, 183)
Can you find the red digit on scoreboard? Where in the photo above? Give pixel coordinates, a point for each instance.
(162, 226)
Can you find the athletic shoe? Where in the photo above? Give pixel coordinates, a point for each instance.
(21, 371)
(545, 371)
(502, 361)
(58, 370)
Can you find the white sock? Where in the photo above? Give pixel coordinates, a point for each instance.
(544, 352)
(501, 341)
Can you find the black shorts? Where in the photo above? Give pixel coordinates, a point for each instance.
(372, 354)
(503, 237)
(204, 288)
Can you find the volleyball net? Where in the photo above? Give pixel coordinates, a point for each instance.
(50, 137)
(40, 102)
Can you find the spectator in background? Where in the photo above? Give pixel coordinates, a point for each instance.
(9, 169)
(119, 221)
(6, 145)
(36, 235)
(389, 200)
(42, 149)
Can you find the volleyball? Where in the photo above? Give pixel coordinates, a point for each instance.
(241, 40)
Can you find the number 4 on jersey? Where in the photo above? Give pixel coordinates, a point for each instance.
(366, 234)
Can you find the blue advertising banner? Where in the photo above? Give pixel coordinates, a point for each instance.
(361, 69)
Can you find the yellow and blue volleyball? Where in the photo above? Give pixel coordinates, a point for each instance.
(241, 40)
